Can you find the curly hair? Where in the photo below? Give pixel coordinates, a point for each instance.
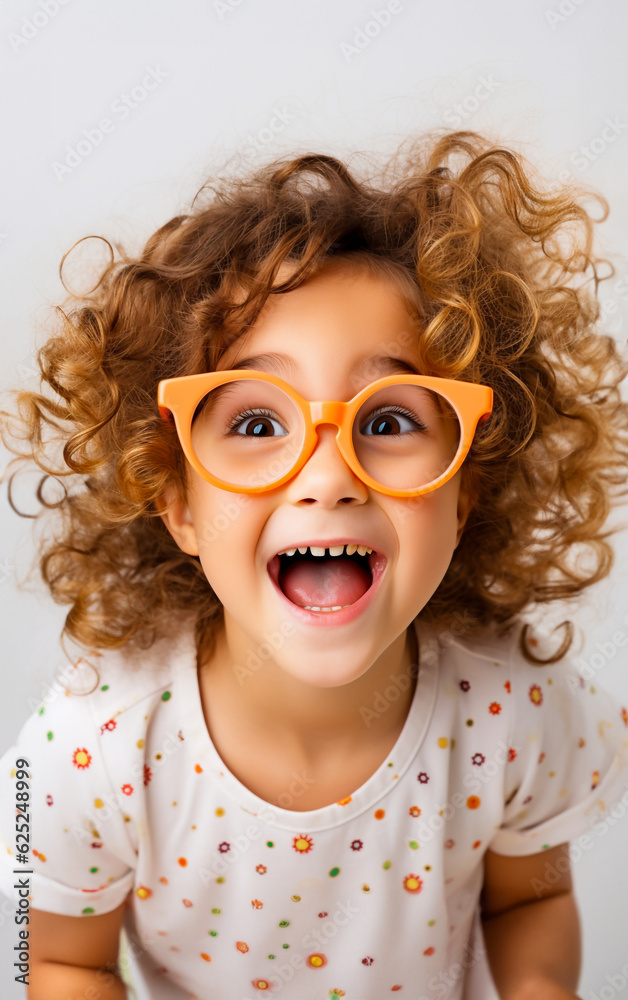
(486, 251)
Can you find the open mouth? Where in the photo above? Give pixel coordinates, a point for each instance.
(326, 580)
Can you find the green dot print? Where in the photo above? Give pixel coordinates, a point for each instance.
(88, 909)
(166, 696)
(334, 871)
(387, 865)
(105, 687)
(50, 734)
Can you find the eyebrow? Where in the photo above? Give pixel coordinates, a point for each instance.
(279, 364)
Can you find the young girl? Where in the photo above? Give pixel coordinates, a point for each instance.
(326, 441)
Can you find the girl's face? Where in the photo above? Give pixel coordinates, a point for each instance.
(329, 332)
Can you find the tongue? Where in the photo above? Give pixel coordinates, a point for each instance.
(326, 583)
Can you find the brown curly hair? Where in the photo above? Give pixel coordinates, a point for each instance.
(489, 255)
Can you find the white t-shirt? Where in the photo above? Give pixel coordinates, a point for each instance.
(229, 896)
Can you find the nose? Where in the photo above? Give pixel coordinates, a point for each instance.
(326, 478)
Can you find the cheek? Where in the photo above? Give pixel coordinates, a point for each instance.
(426, 527)
(227, 527)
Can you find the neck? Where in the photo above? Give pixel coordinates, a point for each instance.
(312, 724)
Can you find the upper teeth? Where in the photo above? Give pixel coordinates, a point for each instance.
(334, 550)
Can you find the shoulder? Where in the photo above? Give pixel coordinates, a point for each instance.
(91, 696)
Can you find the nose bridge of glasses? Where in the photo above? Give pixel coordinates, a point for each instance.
(327, 413)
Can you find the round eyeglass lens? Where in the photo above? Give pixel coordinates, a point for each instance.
(405, 436)
(247, 432)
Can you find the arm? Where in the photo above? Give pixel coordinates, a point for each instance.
(75, 958)
(531, 928)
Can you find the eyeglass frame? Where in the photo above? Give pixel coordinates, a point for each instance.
(178, 398)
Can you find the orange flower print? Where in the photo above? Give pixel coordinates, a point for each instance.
(535, 694)
(336, 994)
(127, 789)
(187, 902)
(108, 726)
(507, 686)
(257, 904)
(260, 984)
(143, 892)
(473, 802)
(302, 844)
(596, 778)
(316, 960)
(429, 951)
(624, 715)
(512, 753)
(414, 811)
(262, 869)
(242, 946)
(81, 758)
(494, 708)
(412, 883)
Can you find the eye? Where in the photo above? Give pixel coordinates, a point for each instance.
(257, 423)
(391, 420)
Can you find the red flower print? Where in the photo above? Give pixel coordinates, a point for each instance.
(108, 726)
(429, 951)
(535, 694)
(81, 758)
(262, 869)
(127, 789)
(449, 843)
(49, 800)
(494, 708)
(302, 844)
(478, 758)
(412, 883)
(224, 847)
(464, 685)
(624, 715)
(423, 778)
(324, 914)
(147, 774)
(94, 844)
(527, 799)
(541, 757)
(507, 686)
(512, 753)
(367, 961)
(356, 845)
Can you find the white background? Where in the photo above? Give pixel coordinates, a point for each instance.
(546, 77)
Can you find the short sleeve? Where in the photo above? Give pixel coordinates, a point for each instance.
(81, 856)
(568, 755)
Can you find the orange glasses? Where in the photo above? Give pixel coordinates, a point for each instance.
(250, 432)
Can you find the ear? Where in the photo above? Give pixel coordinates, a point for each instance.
(178, 520)
(466, 500)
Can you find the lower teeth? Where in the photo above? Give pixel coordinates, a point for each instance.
(339, 607)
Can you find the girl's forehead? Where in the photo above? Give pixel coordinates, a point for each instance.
(348, 324)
